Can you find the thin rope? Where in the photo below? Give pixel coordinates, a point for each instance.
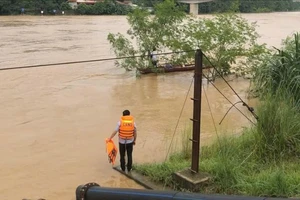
(179, 118)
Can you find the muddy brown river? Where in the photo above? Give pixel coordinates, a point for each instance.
(54, 120)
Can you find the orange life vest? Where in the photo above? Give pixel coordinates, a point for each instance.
(126, 129)
(111, 150)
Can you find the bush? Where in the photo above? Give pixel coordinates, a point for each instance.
(281, 71)
(65, 6)
(103, 8)
(277, 135)
(246, 6)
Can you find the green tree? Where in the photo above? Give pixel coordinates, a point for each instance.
(65, 6)
(5, 7)
(81, 9)
(146, 3)
(249, 6)
(148, 32)
(32, 6)
(226, 39)
(108, 7)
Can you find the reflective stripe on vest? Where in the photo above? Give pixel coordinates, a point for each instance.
(126, 129)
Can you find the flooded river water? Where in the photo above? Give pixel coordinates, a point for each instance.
(54, 120)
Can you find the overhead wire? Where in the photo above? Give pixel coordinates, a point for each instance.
(87, 61)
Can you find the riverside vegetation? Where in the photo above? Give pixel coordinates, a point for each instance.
(33, 7)
(264, 159)
(244, 6)
(110, 7)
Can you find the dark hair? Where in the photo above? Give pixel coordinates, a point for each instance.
(126, 112)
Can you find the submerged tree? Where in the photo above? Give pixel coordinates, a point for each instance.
(225, 38)
(147, 32)
(228, 40)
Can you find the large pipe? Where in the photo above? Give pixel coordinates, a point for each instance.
(93, 191)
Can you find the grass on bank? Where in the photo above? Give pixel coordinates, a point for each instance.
(263, 161)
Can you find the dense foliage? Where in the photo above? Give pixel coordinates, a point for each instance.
(281, 71)
(244, 6)
(108, 7)
(225, 39)
(167, 20)
(8, 7)
(249, 6)
(146, 3)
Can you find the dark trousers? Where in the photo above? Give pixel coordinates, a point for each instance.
(123, 149)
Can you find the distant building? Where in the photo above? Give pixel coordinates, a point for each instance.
(75, 3)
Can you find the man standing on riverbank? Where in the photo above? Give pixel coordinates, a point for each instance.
(127, 138)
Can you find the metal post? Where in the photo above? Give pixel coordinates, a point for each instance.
(197, 111)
